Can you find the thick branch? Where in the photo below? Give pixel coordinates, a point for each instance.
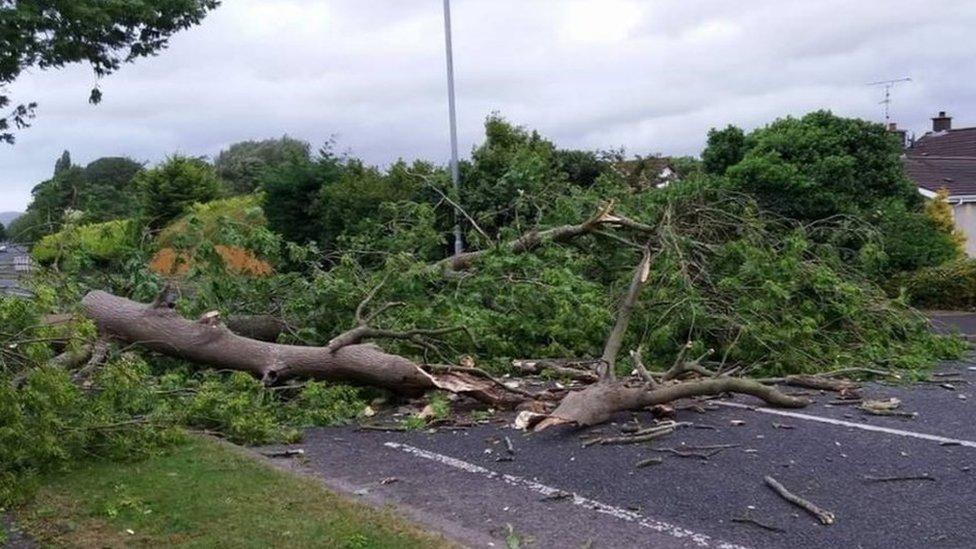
(616, 337)
(535, 238)
(597, 403)
(570, 368)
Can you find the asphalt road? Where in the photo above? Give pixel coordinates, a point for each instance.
(454, 481)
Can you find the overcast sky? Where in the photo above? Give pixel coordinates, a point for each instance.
(649, 75)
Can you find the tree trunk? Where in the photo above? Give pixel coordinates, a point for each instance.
(260, 327)
(206, 342)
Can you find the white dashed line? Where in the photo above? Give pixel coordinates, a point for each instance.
(852, 424)
(701, 540)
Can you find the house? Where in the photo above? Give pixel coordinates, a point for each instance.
(648, 172)
(945, 158)
(14, 261)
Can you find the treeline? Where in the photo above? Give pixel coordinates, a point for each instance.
(806, 169)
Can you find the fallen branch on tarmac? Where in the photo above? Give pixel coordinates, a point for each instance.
(824, 516)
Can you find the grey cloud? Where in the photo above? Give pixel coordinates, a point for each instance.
(652, 76)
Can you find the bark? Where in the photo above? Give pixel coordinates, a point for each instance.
(260, 327)
(205, 342)
(598, 403)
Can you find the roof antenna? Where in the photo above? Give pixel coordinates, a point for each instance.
(888, 85)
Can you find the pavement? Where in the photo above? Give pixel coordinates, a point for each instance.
(553, 492)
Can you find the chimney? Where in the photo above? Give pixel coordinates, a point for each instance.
(901, 135)
(942, 123)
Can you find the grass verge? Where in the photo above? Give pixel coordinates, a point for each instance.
(204, 494)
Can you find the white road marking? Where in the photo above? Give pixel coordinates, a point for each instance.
(701, 540)
(855, 425)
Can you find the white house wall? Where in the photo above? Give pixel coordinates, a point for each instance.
(965, 217)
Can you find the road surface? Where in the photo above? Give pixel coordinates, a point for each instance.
(455, 481)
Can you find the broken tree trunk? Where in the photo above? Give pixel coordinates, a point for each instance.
(211, 343)
(597, 403)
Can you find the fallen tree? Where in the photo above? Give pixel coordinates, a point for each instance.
(209, 342)
(704, 259)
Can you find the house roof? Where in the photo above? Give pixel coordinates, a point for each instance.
(646, 172)
(961, 142)
(957, 174)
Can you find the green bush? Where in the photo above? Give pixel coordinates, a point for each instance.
(76, 247)
(950, 286)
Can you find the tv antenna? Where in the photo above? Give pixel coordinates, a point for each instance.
(888, 85)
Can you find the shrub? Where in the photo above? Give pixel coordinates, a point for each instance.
(76, 247)
(950, 286)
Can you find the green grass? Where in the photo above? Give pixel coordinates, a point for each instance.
(205, 494)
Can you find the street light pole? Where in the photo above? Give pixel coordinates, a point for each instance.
(455, 175)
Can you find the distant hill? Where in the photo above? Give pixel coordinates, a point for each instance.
(7, 217)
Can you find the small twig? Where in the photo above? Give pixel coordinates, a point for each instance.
(754, 522)
(923, 476)
(360, 321)
(635, 438)
(896, 413)
(649, 461)
(383, 428)
(509, 447)
(457, 207)
(825, 517)
(712, 447)
(684, 454)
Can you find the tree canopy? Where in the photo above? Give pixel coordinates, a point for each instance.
(822, 166)
(104, 34)
(169, 189)
(101, 191)
(241, 165)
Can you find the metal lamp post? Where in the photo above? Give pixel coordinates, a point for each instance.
(455, 174)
